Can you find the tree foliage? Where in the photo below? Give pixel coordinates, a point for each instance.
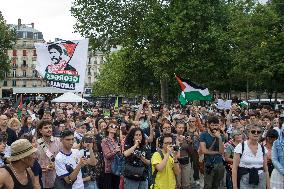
(7, 40)
(222, 44)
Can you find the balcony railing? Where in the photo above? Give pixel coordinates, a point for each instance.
(15, 65)
(26, 46)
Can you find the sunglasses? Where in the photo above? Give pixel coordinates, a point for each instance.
(255, 132)
(113, 126)
(167, 128)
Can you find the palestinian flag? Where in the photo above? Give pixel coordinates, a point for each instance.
(182, 99)
(243, 104)
(116, 104)
(192, 91)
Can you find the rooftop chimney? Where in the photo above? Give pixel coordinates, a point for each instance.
(33, 25)
(19, 23)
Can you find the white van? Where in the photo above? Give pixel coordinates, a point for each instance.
(267, 101)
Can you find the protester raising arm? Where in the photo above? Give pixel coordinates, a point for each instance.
(92, 160)
(151, 136)
(138, 114)
(130, 151)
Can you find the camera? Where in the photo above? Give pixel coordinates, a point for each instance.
(137, 153)
(119, 120)
(176, 148)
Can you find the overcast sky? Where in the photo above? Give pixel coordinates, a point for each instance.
(52, 17)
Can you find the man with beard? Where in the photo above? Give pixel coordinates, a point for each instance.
(55, 52)
(48, 147)
(212, 146)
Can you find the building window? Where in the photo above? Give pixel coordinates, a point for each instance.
(34, 73)
(24, 43)
(24, 73)
(14, 73)
(89, 61)
(35, 35)
(89, 71)
(34, 52)
(14, 52)
(14, 83)
(24, 63)
(25, 35)
(24, 52)
(5, 83)
(24, 83)
(5, 74)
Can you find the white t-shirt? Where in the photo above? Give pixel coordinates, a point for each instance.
(248, 159)
(72, 159)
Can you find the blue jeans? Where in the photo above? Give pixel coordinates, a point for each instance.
(133, 184)
(229, 182)
(92, 184)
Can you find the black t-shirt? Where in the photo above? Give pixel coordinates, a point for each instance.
(12, 137)
(37, 171)
(134, 159)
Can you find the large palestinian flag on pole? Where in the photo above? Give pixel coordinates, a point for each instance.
(192, 91)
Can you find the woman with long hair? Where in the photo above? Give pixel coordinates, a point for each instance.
(137, 160)
(250, 169)
(27, 127)
(110, 147)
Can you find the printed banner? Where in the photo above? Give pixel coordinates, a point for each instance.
(63, 64)
(224, 104)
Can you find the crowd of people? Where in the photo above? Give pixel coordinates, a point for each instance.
(64, 145)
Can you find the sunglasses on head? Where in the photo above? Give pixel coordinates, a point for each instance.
(255, 132)
(113, 126)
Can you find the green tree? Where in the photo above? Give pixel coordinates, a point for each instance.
(7, 40)
(257, 46)
(186, 37)
(125, 76)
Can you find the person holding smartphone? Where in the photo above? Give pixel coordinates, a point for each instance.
(68, 163)
(110, 147)
(86, 151)
(137, 160)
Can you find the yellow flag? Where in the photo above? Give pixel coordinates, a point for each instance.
(116, 103)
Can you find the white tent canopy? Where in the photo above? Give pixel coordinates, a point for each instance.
(69, 97)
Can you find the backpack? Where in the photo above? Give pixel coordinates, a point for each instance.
(243, 148)
(156, 171)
